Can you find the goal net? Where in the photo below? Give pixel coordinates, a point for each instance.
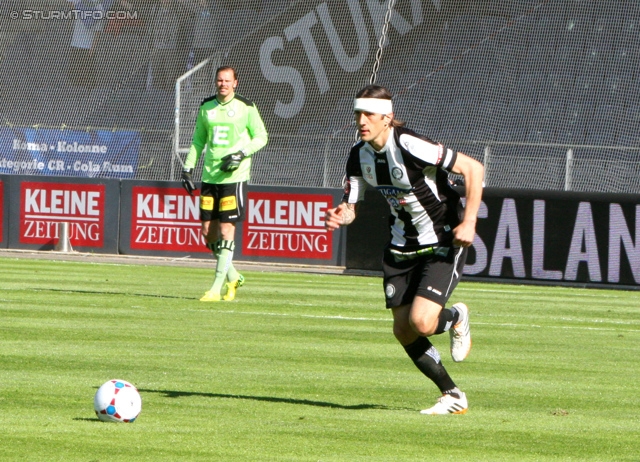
(545, 93)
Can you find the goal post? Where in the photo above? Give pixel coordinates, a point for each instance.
(191, 89)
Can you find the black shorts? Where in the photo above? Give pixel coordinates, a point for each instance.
(432, 277)
(223, 202)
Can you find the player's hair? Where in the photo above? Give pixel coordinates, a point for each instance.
(378, 92)
(228, 68)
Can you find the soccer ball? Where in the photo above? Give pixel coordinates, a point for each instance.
(117, 401)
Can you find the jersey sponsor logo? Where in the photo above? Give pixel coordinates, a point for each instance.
(228, 203)
(395, 203)
(392, 191)
(220, 135)
(206, 203)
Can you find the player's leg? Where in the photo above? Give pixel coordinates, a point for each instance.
(413, 320)
(209, 220)
(418, 347)
(225, 256)
(230, 211)
(429, 315)
(211, 233)
(460, 333)
(422, 352)
(233, 213)
(224, 253)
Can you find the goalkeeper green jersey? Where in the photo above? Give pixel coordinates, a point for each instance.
(222, 129)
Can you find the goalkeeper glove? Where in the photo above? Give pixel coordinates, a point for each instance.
(187, 181)
(231, 162)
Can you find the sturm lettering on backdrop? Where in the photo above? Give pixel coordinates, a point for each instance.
(582, 245)
(302, 29)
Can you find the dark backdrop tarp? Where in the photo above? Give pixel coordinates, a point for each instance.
(550, 237)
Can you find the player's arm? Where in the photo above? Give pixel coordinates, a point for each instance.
(198, 141)
(197, 144)
(342, 215)
(345, 213)
(259, 138)
(257, 132)
(473, 174)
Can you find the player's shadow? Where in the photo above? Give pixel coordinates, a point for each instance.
(272, 399)
(113, 293)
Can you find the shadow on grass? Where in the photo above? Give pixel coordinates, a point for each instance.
(127, 294)
(87, 419)
(273, 399)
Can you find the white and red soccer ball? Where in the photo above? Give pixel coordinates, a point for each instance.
(117, 401)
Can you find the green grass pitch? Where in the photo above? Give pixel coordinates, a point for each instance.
(304, 367)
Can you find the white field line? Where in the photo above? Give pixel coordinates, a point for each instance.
(492, 324)
(532, 293)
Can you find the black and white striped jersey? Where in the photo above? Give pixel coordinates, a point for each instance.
(411, 172)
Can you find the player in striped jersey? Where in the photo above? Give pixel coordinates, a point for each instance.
(430, 232)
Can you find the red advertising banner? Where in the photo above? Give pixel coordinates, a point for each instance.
(165, 219)
(44, 205)
(287, 225)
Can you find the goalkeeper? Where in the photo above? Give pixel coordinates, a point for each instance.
(229, 130)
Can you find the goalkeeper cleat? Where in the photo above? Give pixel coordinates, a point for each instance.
(210, 296)
(231, 291)
(460, 334)
(449, 404)
(231, 288)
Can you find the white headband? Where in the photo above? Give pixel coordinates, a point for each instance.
(373, 105)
